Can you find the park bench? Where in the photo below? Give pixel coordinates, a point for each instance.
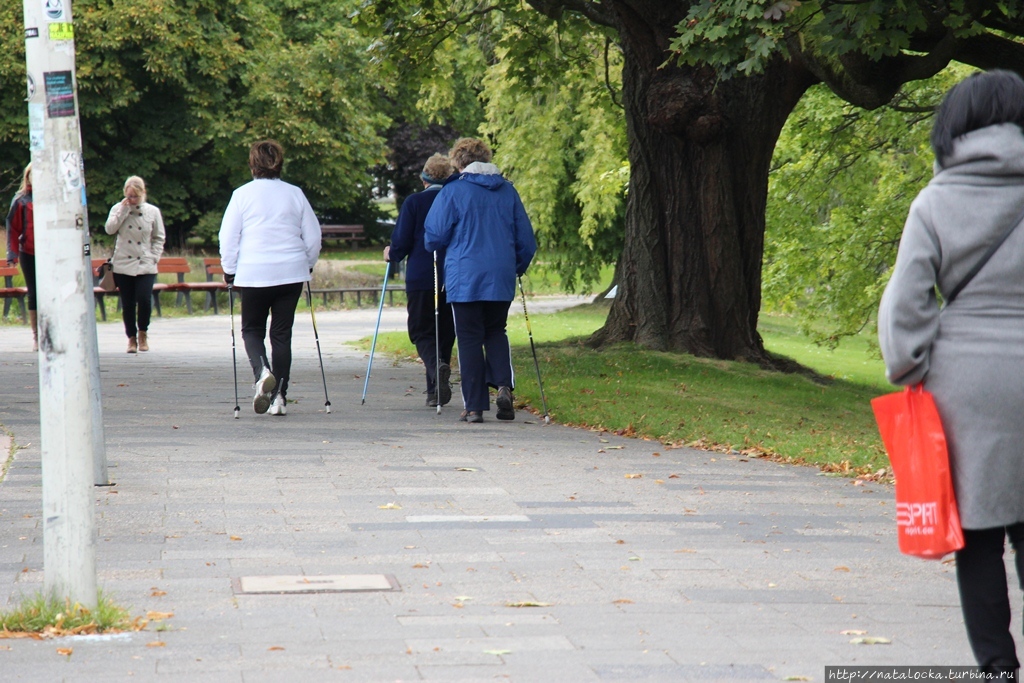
(178, 265)
(374, 292)
(9, 291)
(352, 233)
(213, 270)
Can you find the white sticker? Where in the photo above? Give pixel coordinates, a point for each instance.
(31, 82)
(54, 10)
(70, 170)
(36, 112)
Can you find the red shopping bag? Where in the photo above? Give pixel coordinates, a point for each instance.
(927, 520)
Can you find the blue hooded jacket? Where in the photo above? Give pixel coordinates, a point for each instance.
(407, 240)
(481, 221)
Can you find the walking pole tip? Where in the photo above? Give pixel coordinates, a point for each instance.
(547, 419)
(439, 410)
(327, 407)
(236, 413)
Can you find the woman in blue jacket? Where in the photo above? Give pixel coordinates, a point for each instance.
(480, 220)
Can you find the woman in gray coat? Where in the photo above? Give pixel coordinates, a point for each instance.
(971, 355)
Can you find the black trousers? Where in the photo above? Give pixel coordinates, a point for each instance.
(421, 331)
(485, 358)
(136, 292)
(28, 269)
(279, 302)
(984, 596)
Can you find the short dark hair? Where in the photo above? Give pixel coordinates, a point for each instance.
(982, 99)
(266, 158)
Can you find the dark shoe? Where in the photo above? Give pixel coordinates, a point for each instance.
(444, 387)
(431, 400)
(471, 416)
(504, 403)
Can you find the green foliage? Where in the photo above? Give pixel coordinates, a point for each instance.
(176, 90)
(741, 36)
(839, 191)
(548, 90)
(50, 616)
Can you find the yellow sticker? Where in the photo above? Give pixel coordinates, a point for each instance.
(62, 31)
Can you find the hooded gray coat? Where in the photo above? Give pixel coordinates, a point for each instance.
(970, 355)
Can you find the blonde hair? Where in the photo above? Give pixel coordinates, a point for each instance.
(437, 168)
(26, 180)
(137, 184)
(467, 150)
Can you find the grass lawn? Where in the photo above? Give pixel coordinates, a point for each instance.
(677, 399)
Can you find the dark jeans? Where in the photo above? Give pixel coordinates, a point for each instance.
(421, 331)
(984, 597)
(485, 358)
(279, 303)
(28, 269)
(136, 292)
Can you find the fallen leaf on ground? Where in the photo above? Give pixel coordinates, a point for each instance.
(66, 651)
(798, 678)
(634, 476)
(686, 550)
(157, 616)
(615, 448)
(465, 469)
(622, 601)
(841, 569)
(390, 506)
(528, 603)
(236, 538)
(157, 594)
(274, 648)
(871, 641)
(420, 566)
(156, 643)
(853, 632)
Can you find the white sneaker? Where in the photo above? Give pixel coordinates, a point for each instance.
(278, 407)
(264, 387)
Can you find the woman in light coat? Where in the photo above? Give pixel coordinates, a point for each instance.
(269, 243)
(139, 227)
(971, 355)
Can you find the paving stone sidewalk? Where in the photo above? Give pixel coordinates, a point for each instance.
(642, 562)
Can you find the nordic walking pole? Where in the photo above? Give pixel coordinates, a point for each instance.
(536, 365)
(316, 335)
(437, 341)
(234, 357)
(380, 309)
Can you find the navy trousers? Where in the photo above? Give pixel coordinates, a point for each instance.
(422, 333)
(485, 358)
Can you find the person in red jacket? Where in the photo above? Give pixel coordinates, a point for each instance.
(21, 244)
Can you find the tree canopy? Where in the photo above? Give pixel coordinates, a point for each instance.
(176, 90)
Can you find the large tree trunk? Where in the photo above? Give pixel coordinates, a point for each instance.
(699, 149)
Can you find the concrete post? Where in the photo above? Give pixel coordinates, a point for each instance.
(64, 283)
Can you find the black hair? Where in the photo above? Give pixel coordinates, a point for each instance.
(982, 99)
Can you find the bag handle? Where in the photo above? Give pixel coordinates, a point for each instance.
(984, 259)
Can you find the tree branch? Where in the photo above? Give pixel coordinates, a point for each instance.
(594, 10)
(989, 51)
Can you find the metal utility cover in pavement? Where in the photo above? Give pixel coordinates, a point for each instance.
(341, 583)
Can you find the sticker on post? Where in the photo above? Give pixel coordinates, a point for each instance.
(32, 33)
(54, 9)
(71, 170)
(62, 31)
(31, 82)
(60, 94)
(36, 138)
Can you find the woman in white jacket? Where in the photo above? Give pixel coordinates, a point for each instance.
(269, 243)
(139, 227)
